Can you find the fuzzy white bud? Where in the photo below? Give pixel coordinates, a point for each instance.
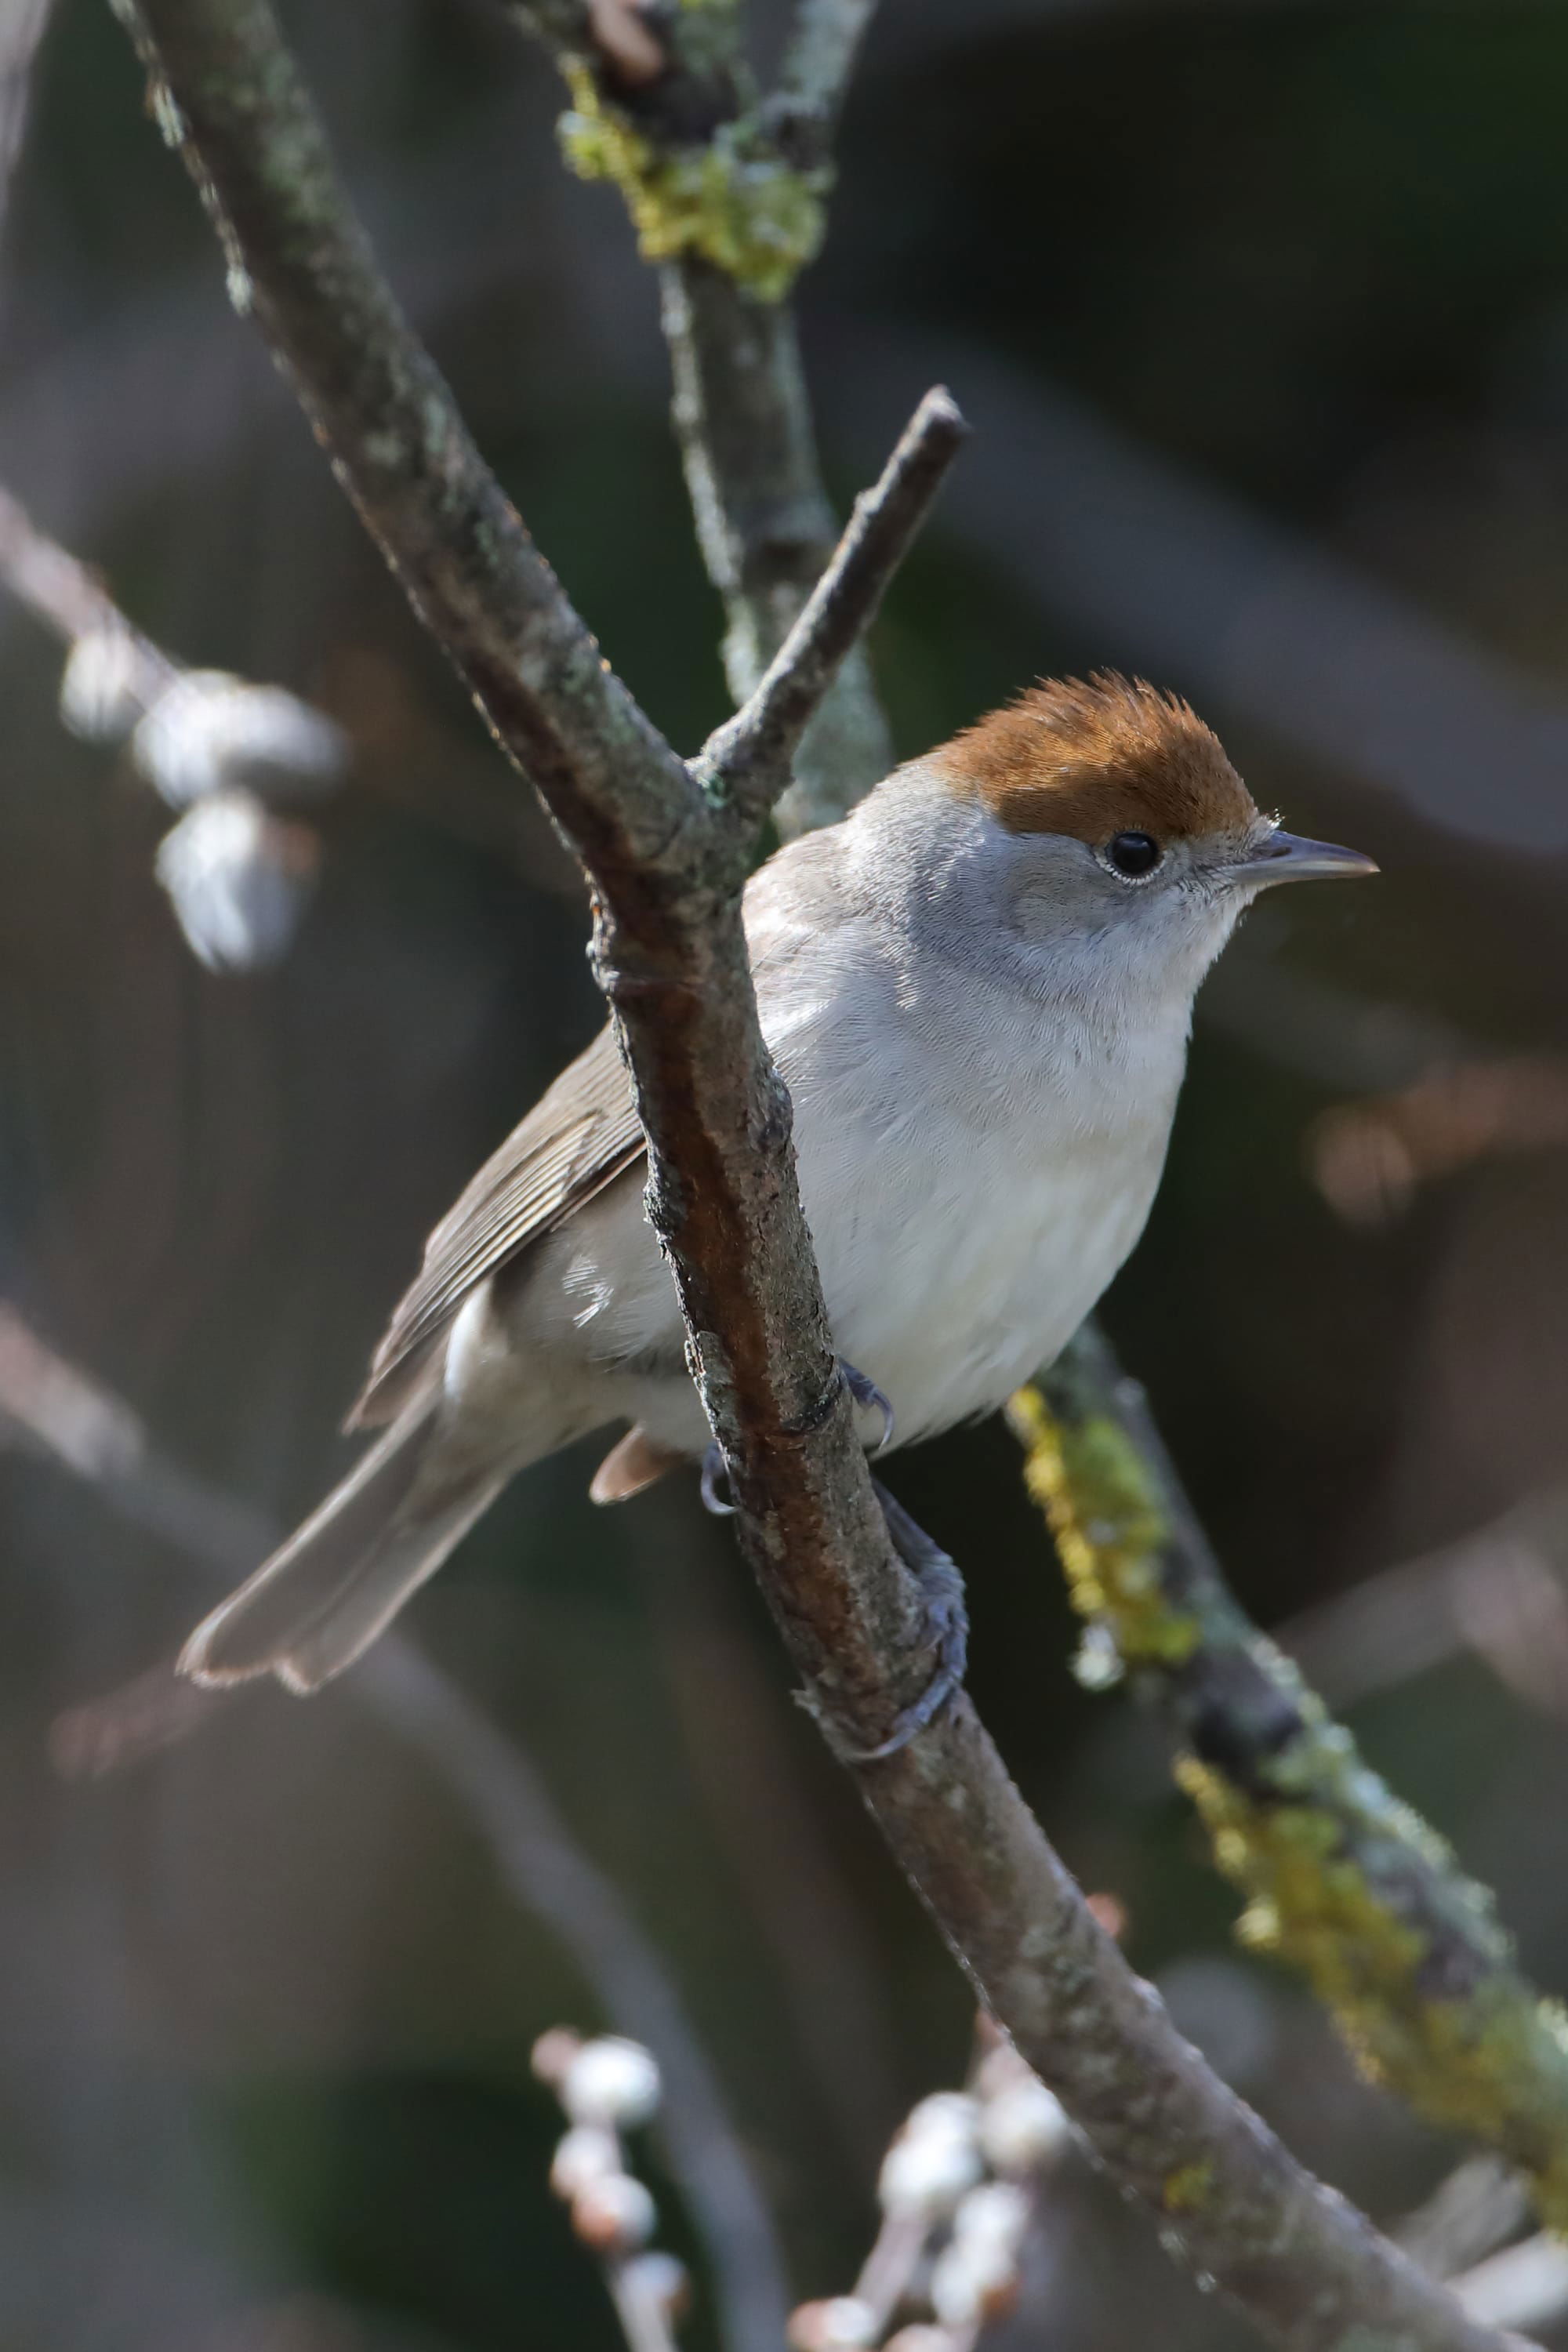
(238, 878)
(951, 2111)
(994, 2214)
(970, 2281)
(839, 2323)
(104, 684)
(208, 730)
(611, 2081)
(1024, 2126)
(658, 2280)
(935, 2159)
(613, 2215)
(585, 2153)
(554, 2052)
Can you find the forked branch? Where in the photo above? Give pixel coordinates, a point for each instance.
(665, 874)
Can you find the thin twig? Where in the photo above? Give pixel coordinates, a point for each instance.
(607, 2088)
(763, 522)
(1523, 2286)
(239, 760)
(547, 1873)
(76, 1423)
(669, 947)
(819, 63)
(300, 259)
(747, 760)
(1477, 2208)
(957, 2192)
(1308, 2271)
(71, 597)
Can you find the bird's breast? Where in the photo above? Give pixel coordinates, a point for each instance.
(966, 1222)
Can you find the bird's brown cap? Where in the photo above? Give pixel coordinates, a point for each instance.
(1093, 758)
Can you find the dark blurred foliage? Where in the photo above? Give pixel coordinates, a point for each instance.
(266, 2016)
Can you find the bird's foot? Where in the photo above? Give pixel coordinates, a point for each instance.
(864, 1392)
(867, 1394)
(946, 1628)
(714, 1468)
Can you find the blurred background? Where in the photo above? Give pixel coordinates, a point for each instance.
(1260, 313)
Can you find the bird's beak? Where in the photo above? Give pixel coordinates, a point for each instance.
(1287, 857)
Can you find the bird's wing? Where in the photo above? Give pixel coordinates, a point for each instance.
(579, 1136)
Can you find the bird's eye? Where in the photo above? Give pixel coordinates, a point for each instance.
(1133, 855)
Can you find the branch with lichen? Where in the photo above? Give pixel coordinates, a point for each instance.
(730, 199)
(1357, 1891)
(728, 193)
(665, 110)
(665, 853)
(1342, 1881)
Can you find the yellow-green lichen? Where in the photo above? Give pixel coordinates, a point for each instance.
(1494, 2063)
(1099, 1501)
(1189, 2188)
(1341, 1881)
(731, 199)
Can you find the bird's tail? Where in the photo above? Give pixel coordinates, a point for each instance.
(321, 1600)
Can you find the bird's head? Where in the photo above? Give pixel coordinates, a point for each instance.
(1097, 825)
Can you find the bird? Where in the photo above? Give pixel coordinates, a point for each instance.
(978, 987)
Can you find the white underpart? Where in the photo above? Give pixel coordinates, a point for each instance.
(984, 1060)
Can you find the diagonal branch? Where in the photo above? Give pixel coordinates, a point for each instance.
(742, 413)
(1310, 2270)
(68, 594)
(818, 62)
(298, 258)
(1404, 1950)
(747, 758)
(763, 522)
(241, 762)
(1343, 1881)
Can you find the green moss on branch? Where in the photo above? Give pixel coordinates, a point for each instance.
(731, 200)
(1343, 1882)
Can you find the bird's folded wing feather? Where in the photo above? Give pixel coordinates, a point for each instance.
(579, 1136)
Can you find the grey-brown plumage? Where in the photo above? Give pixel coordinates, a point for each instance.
(978, 989)
(581, 1134)
(324, 1595)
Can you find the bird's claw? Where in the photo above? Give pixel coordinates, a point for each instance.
(864, 1391)
(946, 1628)
(714, 1467)
(867, 1393)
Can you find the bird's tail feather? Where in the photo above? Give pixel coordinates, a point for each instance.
(322, 1599)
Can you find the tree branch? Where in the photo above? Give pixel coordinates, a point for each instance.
(747, 758)
(242, 762)
(1310, 2270)
(819, 63)
(741, 415)
(1343, 1880)
(63, 592)
(298, 258)
(764, 523)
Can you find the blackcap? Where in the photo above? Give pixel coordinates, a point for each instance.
(979, 989)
